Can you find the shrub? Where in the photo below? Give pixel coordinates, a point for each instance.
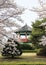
(29, 51)
(42, 52)
(11, 49)
(25, 46)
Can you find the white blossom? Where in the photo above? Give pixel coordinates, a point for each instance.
(9, 10)
(43, 40)
(41, 10)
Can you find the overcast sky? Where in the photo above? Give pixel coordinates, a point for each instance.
(28, 16)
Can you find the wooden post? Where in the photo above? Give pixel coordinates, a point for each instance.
(26, 35)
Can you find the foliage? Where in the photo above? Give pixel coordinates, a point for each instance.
(37, 32)
(42, 51)
(29, 51)
(25, 46)
(12, 49)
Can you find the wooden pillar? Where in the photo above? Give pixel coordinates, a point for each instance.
(26, 35)
(18, 35)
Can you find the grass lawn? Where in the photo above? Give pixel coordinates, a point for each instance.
(24, 59)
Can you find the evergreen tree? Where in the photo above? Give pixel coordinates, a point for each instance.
(37, 32)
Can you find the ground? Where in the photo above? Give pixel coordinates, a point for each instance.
(25, 58)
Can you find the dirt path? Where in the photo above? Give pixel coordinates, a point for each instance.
(29, 54)
(25, 57)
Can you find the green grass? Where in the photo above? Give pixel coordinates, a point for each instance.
(22, 63)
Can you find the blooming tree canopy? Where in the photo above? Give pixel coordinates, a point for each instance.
(9, 11)
(41, 11)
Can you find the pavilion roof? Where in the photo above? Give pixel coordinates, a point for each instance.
(25, 28)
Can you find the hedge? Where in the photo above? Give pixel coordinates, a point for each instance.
(29, 51)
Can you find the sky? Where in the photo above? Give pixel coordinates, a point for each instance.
(28, 16)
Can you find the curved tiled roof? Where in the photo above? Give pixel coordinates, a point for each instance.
(24, 29)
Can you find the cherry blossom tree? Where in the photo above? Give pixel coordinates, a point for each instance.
(8, 12)
(41, 10)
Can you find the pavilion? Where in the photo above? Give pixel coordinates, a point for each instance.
(24, 31)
